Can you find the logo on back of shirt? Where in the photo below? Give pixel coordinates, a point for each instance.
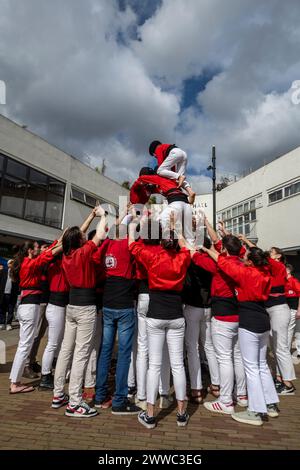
(110, 262)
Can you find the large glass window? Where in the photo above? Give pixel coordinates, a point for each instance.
(30, 194)
(234, 212)
(54, 210)
(35, 204)
(252, 204)
(16, 169)
(13, 194)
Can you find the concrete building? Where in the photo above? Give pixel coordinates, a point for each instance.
(43, 189)
(265, 205)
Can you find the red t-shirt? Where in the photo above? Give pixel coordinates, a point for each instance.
(166, 268)
(56, 277)
(79, 267)
(31, 270)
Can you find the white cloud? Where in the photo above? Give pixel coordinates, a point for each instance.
(76, 75)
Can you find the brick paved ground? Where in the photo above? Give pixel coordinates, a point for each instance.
(28, 422)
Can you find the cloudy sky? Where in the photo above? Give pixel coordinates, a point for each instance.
(102, 78)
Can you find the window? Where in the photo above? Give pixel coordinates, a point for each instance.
(223, 215)
(35, 204)
(16, 169)
(234, 212)
(247, 229)
(252, 204)
(38, 179)
(234, 226)
(77, 195)
(54, 210)
(30, 194)
(246, 218)
(84, 198)
(275, 196)
(1, 162)
(90, 200)
(292, 189)
(12, 198)
(253, 215)
(240, 209)
(241, 224)
(228, 214)
(246, 207)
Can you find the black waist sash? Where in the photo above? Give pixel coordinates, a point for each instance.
(165, 305)
(61, 299)
(254, 317)
(82, 296)
(31, 298)
(224, 306)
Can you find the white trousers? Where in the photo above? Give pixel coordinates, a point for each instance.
(260, 384)
(294, 330)
(297, 336)
(177, 158)
(28, 316)
(91, 369)
(158, 332)
(226, 344)
(280, 316)
(56, 324)
(198, 326)
(78, 341)
(183, 212)
(142, 360)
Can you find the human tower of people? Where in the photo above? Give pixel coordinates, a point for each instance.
(154, 291)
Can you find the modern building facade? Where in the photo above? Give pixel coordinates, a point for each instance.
(265, 205)
(43, 189)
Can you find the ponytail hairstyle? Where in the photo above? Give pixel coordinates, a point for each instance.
(18, 260)
(278, 251)
(258, 257)
(169, 242)
(72, 240)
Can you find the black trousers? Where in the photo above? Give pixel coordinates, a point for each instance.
(6, 307)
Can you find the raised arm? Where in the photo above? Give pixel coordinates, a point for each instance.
(86, 224)
(211, 232)
(246, 241)
(101, 226)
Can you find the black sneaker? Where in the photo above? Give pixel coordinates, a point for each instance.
(285, 390)
(60, 401)
(36, 367)
(80, 411)
(28, 373)
(182, 420)
(47, 382)
(131, 392)
(148, 421)
(126, 409)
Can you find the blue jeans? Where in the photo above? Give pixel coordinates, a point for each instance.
(122, 321)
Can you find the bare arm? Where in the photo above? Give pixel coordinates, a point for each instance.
(222, 229)
(101, 227)
(212, 253)
(246, 241)
(211, 232)
(86, 224)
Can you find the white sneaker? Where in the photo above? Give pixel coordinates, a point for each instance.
(2, 327)
(141, 404)
(8, 327)
(219, 407)
(242, 401)
(248, 417)
(165, 402)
